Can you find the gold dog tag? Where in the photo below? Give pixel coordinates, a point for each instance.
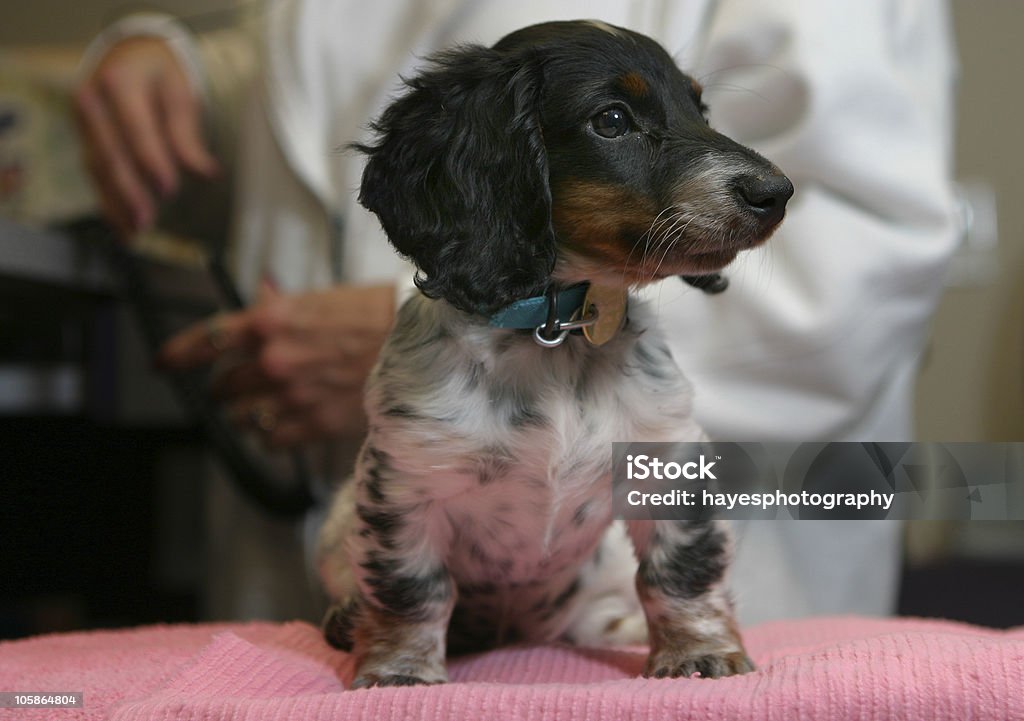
(610, 303)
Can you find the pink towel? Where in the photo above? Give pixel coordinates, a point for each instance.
(840, 668)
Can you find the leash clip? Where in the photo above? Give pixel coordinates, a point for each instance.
(554, 332)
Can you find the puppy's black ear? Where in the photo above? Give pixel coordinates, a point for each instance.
(459, 179)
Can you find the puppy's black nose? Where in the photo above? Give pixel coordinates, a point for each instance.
(765, 197)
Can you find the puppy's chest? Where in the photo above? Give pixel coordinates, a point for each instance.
(515, 440)
(545, 419)
(534, 498)
(539, 497)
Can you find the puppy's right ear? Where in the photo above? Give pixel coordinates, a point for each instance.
(459, 179)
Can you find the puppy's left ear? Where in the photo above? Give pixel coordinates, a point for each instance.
(459, 179)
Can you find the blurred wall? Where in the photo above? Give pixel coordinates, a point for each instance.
(26, 22)
(972, 384)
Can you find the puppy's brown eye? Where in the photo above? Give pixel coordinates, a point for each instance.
(611, 123)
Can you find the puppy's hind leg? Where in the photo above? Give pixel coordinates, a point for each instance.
(335, 569)
(680, 581)
(339, 623)
(608, 612)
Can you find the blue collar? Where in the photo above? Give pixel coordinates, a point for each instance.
(533, 312)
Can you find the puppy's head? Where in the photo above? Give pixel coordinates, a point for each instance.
(568, 151)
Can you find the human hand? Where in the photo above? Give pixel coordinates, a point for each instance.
(294, 365)
(140, 126)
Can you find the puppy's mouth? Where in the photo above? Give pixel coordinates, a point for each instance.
(574, 267)
(636, 259)
(701, 263)
(709, 250)
(611, 236)
(694, 262)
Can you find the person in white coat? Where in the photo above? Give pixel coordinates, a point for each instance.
(818, 337)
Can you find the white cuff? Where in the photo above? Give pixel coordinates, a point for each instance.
(178, 37)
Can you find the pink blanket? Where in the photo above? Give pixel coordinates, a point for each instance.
(840, 668)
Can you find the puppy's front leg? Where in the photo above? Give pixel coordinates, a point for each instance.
(689, 613)
(401, 649)
(406, 594)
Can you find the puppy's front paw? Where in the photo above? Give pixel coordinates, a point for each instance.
(399, 666)
(678, 664)
(371, 680)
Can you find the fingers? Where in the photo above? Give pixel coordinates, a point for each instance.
(268, 291)
(281, 427)
(291, 366)
(337, 362)
(265, 390)
(140, 126)
(205, 342)
(246, 379)
(281, 347)
(251, 376)
(183, 132)
(126, 199)
(140, 129)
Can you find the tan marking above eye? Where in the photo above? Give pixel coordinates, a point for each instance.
(697, 87)
(634, 84)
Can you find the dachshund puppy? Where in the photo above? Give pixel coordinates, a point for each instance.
(533, 184)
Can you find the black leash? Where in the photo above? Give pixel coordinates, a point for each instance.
(255, 475)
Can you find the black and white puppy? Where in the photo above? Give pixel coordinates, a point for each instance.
(480, 510)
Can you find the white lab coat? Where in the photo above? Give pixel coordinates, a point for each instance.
(820, 333)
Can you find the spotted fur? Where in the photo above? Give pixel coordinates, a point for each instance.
(480, 509)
